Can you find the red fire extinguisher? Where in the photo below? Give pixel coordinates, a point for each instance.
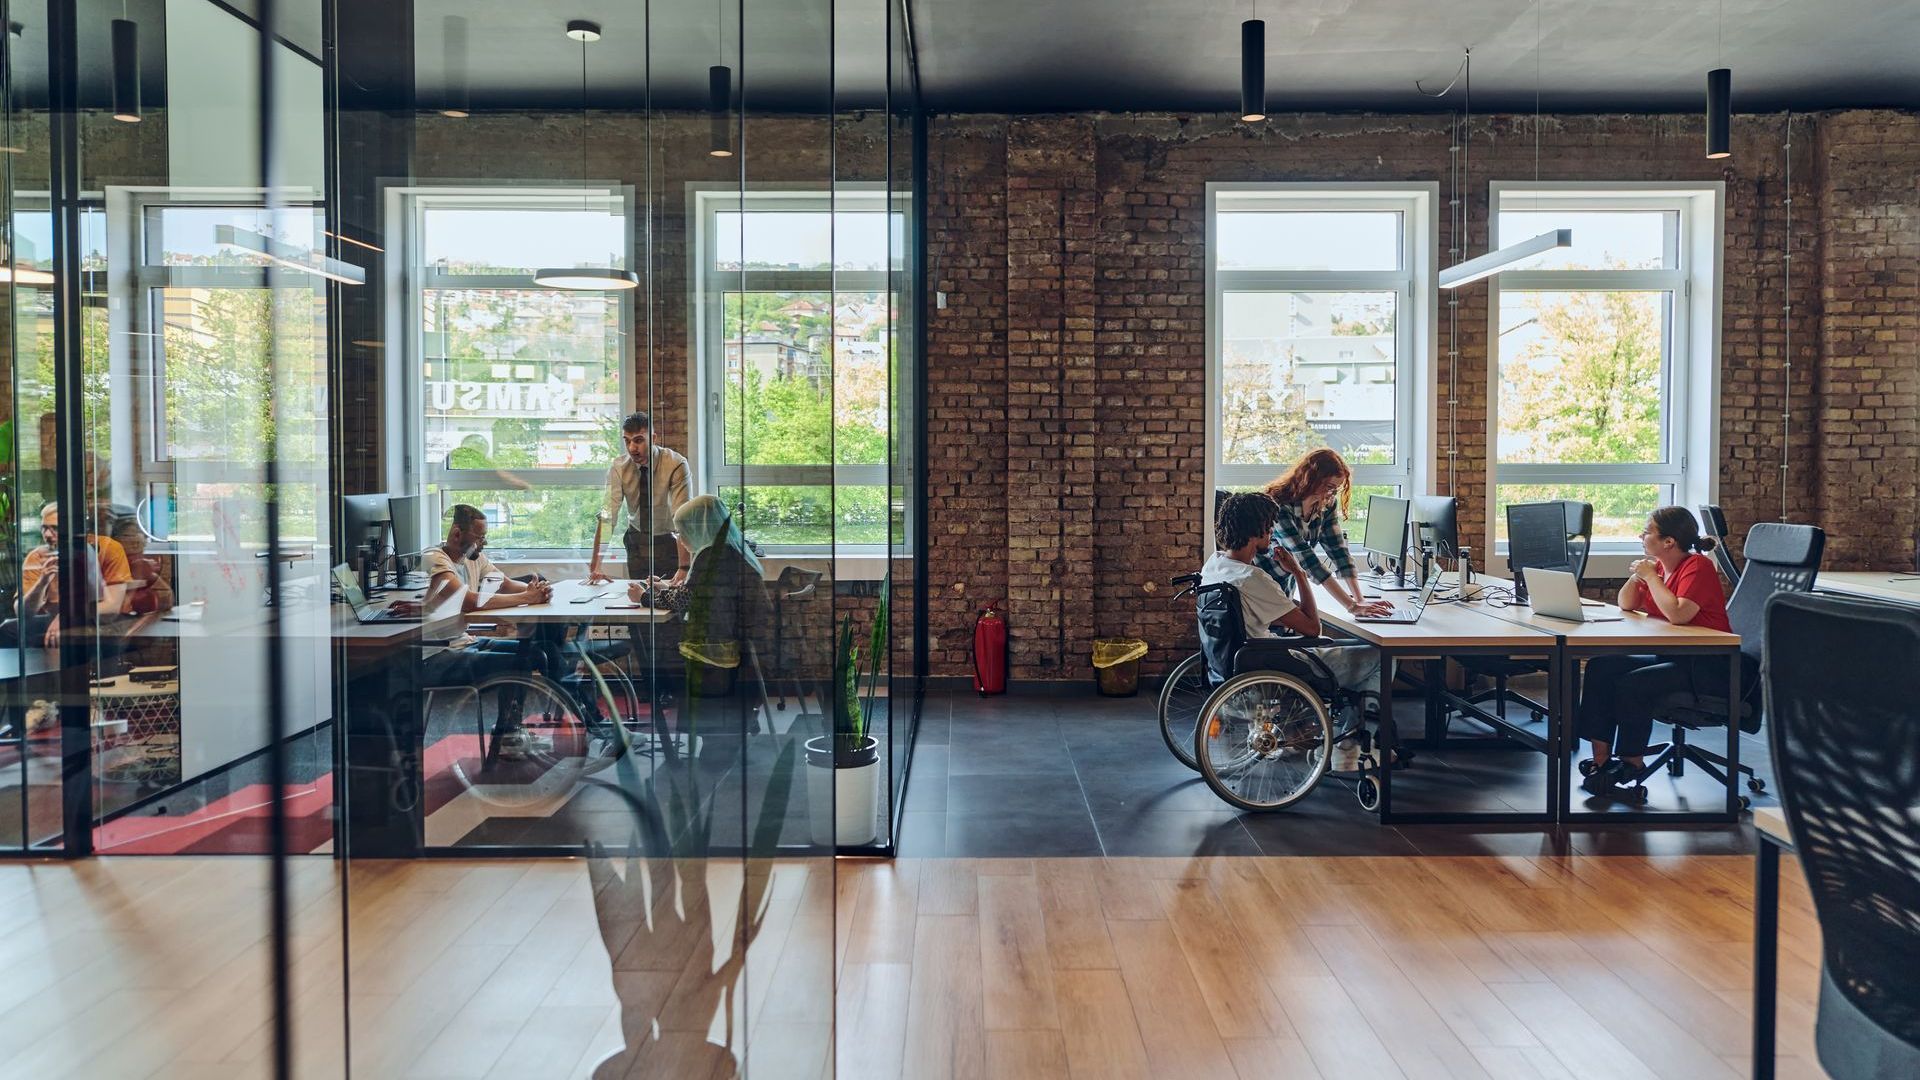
(990, 651)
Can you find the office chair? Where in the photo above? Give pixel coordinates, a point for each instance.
(1840, 680)
(1500, 668)
(1780, 559)
(1713, 522)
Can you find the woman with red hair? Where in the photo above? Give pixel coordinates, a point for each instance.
(1314, 496)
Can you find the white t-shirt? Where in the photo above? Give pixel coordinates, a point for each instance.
(1262, 601)
(478, 574)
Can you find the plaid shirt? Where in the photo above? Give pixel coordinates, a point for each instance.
(1299, 535)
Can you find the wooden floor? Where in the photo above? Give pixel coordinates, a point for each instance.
(1247, 968)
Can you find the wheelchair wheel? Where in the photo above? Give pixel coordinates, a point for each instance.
(1263, 740)
(1181, 698)
(532, 743)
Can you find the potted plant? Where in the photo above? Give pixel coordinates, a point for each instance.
(843, 783)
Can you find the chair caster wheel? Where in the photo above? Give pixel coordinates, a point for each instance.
(1586, 766)
(1637, 794)
(1757, 786)
(1537, 715)
(1368, 793)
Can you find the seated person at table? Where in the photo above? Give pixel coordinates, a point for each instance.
(39, 607)
(460, 567)
(148, 590)
(724, 598)
(1674, 582)
(1244, 531)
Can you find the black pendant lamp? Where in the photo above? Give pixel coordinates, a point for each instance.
(126, 71)
(1719, 112)
(1253, 71)
(585, 278)
(720, 110)
(1720, 96)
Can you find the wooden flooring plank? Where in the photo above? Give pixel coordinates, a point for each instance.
(1098, 1026)
(1026, 1055)
(946, 1029)
(1176, 1026)
(1076, 926)
(1016, 969)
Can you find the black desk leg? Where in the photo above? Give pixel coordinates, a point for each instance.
(1733, 736)
(1766, 947)
(1388, 740)
(1558, 699)
(1435, 679)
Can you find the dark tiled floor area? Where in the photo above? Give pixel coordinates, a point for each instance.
(1050, 774)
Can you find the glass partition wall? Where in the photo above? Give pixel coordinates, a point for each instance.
(481, 434)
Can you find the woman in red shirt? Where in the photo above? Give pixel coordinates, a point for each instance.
(1677, 583)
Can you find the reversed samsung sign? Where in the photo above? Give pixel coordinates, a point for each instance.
(1355, 436)
(550, 398)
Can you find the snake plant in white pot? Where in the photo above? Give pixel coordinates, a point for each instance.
(843, 782)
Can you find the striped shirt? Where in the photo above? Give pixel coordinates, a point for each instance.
(1299, 534)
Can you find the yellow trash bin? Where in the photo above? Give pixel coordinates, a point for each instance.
(1116, 665)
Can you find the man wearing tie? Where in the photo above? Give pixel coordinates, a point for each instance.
(650, 482)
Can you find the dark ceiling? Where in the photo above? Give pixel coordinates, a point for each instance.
(1115, 55)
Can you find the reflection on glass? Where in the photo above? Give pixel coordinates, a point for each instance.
(1305, 369)
(216, 372)
(808, 240)
(1582, 376)
(519, 239)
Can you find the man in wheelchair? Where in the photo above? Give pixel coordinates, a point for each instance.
(1243, 528)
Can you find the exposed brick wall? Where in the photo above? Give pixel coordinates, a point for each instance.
(1869, 260)
(1854, 305)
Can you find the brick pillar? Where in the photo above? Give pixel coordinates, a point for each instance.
(1050, 387)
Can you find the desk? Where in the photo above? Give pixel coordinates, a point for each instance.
(1771, 823)
(1449, 629)
(1897, 588)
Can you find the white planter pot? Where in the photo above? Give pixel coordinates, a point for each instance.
(843, 798)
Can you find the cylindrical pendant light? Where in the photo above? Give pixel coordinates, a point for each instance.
(126, 71)
(720, 109)
(1719, 112)
(591, 278)
(1253, 71)
(453, 54)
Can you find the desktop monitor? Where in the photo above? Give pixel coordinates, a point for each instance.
(406, 511)
(1536, 539)
(363, 523)
(1386, 534)
(1438, 517)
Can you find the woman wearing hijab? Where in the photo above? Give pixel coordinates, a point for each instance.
(727, 615)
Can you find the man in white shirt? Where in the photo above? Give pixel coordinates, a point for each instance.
(1243, 527)
(650, 482)
(460, 567)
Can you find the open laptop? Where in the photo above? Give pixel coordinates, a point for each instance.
(1410, 611)
(365, 610)
(1556, 595)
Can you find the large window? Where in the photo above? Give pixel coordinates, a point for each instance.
(1318, 327)
(797, 314)
(518, 389)
(1603, 354)
(187, 443)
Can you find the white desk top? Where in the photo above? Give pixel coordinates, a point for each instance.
(1772, 822)
(1443, 625)
(1873, 584)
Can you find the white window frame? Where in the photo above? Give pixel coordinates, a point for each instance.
(707, 330)
(409, 471)
(1690, 411)
(1416, 328)
(140, 461)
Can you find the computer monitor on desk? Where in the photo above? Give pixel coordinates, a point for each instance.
(1436, 521)
(365, 521)
(1386, 537)
(408, 538)
(1536, 539)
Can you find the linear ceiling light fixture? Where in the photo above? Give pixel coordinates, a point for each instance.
(584, 278)
(1720, 94)
(126, 70)
(1253, 69)
(289, 256)
(1511, 257)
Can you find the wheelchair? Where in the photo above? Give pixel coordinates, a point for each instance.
(1264, 734)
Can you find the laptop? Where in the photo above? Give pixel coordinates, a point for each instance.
(1556, 595)
(1410, 611)
(365, 610)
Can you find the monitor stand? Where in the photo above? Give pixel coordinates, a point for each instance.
(1398, 581)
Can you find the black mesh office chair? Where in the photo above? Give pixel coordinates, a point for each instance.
(1840, 681)
(1780, 559)
(1500, 668)
(1713, 522)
